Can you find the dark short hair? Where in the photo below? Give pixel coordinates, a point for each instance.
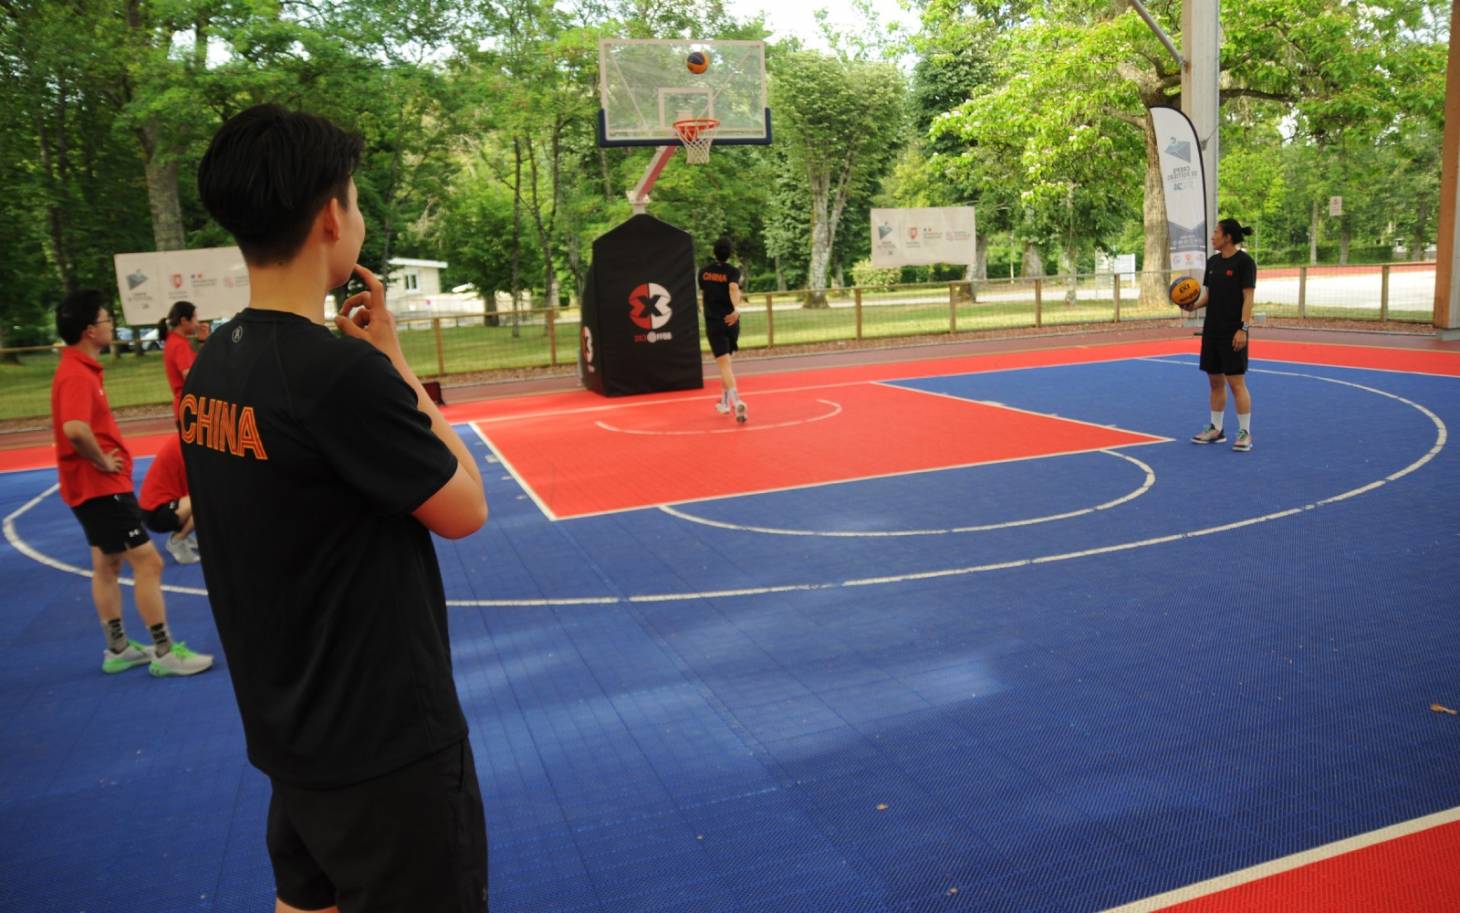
(723, 249)
(77, 311)
(268, 171)
(1234, 230)
(180, 311)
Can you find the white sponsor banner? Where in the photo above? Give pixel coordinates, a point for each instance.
(1184, 183)
(213, 278)
(920, 237)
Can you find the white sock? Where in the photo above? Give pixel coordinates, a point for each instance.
(725, 395)
(1244, 422)
(1217, 420)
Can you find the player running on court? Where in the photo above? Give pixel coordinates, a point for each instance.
(1227, 291)
(720, 284)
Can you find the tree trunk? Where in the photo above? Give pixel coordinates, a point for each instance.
(1156, 260)
(780, 276)
(1345, 235)
(821, 240)
(980, 267)
(1069, 265)
(1033, 267)
(516, 233)
(1313, 226)
(162, 195)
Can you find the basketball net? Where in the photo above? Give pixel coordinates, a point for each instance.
(697, 134)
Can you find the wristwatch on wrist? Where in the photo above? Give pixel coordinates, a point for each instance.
(1244, 327)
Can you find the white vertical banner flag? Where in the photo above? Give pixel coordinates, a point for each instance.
(921, 237)
(1184, 181)
(213, 278)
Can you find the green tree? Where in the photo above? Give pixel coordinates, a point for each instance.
(841, 124)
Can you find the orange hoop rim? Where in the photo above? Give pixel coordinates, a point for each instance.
(690, 128)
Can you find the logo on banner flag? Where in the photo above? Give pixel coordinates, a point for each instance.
(136, 279)
(177, 280)
(883, 230)
(1179, 149)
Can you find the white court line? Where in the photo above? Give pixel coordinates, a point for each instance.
(521, 481)
(20, 545)
(1050, 415)
(1307, 364)
(1441, 436)
(1144, 487)
(1288, 863)
(836, 409)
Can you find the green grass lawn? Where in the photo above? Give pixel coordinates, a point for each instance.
(25, 388)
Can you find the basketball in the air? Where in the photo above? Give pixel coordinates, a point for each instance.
(698, 62)
(1184, 292)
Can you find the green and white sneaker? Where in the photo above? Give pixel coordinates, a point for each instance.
(1243, 442)
(180, 661)
(135, 655)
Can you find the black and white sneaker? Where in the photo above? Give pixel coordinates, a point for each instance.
(1243, 443)
(1212, 435)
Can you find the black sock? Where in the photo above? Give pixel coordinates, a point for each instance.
(161, 639)
(116, 635)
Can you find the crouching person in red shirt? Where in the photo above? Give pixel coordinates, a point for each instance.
(166, 507)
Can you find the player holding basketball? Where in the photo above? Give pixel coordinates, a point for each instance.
(96, 483)
(1227, 290)
(720, 284)
(319, 469)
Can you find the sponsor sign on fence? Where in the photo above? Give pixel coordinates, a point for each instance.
(920, 237)
(213, 278)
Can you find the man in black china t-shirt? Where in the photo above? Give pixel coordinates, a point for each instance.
(719, 283)
(319, 468)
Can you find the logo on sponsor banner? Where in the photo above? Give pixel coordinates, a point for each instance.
(883, 230)
(228, 282)
(588, 350)
(1179, 148)
(197, 276)
(177, 280)
(912, 232)
(649, 310)
(137, 278)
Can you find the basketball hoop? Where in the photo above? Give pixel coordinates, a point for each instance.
(697, 134)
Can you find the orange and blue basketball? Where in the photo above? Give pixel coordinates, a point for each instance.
(1184, 291)
(697, 61)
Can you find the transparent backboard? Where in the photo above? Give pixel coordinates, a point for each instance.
(646, 85)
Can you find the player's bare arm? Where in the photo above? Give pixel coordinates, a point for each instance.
(459, 508)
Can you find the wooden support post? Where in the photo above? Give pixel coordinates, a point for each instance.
(1302, 292)
(552, 331)
(1116, 277)
(440, 354)
(770, 322)
(1039, 302)
(952, 307)
(857, 306)
(1384, 292)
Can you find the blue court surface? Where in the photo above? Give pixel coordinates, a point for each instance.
(1057, 684)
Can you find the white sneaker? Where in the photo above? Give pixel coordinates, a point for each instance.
(180, 661)
(135, 655)
(740, 411)
(722, 407)
(184, 550)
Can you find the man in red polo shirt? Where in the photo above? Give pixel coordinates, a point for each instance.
(96, 483)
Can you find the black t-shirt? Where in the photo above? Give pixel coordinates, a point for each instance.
(305, 455)
(1225, 279)
(715, 281)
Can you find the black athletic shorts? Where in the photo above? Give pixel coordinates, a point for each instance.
(113, 523)
(411, 841)
(163, 518)
(723, 340)
(1218, 356)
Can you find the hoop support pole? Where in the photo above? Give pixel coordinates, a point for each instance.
(639, 196)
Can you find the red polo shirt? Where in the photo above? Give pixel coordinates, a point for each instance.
(166, 479)
(77, 395)
(177, 358)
